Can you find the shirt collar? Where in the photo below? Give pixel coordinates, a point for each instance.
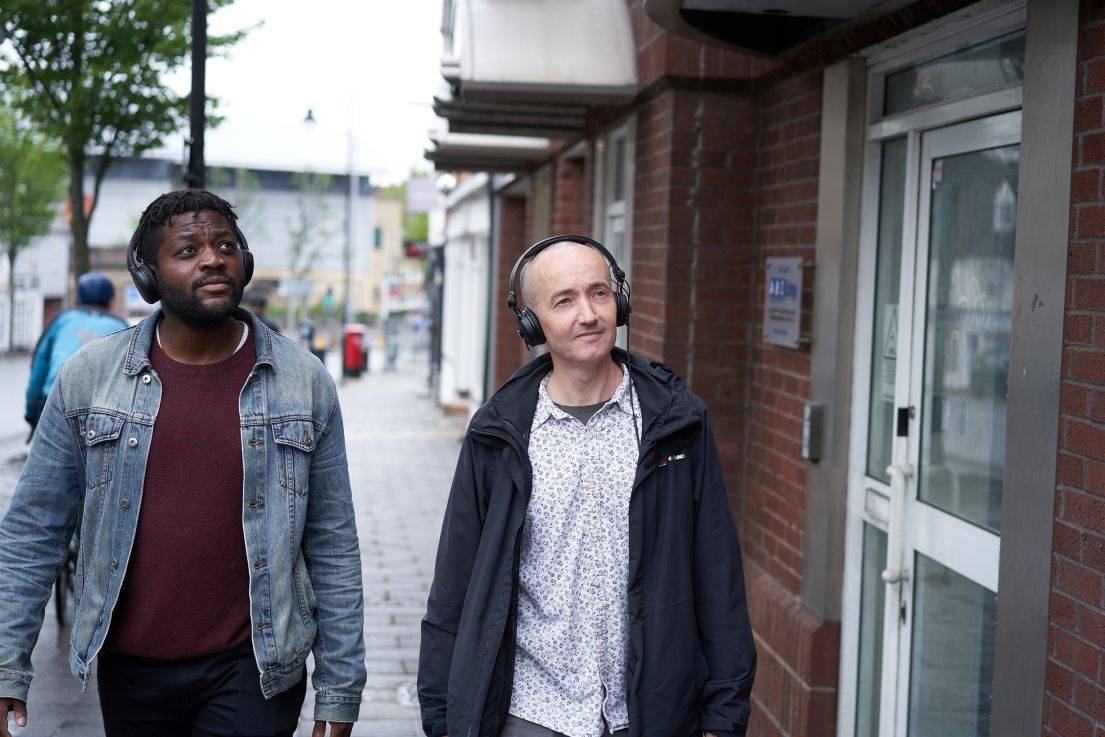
(546, 408)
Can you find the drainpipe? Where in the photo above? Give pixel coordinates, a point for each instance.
(493, 247)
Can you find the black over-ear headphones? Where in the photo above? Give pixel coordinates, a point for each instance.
(146, 281)
(529, 327)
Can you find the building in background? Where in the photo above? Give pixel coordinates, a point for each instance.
(291, 187)
(869, 235)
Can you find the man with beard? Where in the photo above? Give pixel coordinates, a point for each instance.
(218, 543)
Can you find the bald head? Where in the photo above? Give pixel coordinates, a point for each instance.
(540, 274)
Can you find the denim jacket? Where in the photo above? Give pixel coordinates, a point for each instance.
(91, 448)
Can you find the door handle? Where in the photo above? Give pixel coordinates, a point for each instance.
(899, 474)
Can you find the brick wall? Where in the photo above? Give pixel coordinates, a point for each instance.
(1074, 702)
(510, 352)
(571, 197)
(797, 684)
(773, 508)
(661, 53)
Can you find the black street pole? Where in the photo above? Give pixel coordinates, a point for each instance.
(194, 177)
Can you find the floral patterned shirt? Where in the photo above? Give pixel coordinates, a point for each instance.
(572, 634)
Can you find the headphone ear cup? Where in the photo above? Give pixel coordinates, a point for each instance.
(145, 281)
(529, 327)
(247, 266)
(623, 308)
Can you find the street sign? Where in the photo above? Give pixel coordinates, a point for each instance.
(295, 288)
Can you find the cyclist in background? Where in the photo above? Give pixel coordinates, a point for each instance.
(66, 333)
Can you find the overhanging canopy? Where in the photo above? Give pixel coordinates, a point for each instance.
(766, 27)
(501, 118)
(473, 152)
(550, 51)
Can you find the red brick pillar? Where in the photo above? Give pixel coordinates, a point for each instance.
(1074, 699)
(510, 352)
(571, 200)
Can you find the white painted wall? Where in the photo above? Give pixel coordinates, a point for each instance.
(464, 303)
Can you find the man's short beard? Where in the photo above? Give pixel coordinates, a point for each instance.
(190, 309)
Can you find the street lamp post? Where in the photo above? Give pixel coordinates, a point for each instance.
(347, 251)
(194, 176)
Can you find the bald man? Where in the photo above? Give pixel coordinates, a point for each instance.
(588, 578)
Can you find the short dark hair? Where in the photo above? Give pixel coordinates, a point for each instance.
(158, 213)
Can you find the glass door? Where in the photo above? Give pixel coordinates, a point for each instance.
(925, 501)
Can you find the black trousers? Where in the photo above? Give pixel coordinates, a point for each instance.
(213, 696)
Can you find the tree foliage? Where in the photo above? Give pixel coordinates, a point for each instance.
(32, 184)
(90, 74)
(308, 232)
(416, 226)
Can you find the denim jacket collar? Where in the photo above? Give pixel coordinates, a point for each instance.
(138, 352)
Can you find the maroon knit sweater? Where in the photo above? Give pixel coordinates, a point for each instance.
(186, 590)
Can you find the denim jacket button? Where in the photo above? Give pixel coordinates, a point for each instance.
(114, 562)
(91, 433)
(145, 378)
(133, 442)
(125, 504)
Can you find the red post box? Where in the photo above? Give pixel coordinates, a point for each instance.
(354, 339)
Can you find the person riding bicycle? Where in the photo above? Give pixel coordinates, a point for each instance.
(66, 333)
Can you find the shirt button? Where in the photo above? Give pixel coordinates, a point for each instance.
(594, 584)
(133, 442)
(125, 504)
(99, 621)
(145, 378)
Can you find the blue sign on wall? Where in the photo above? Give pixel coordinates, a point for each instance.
(783, 302)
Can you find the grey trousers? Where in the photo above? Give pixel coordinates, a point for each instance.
(517, 727)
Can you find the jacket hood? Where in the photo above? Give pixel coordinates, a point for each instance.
(666, 403)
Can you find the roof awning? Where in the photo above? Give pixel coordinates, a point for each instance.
(767, 27)
(576, 52)
(499, 118)
(473, 152)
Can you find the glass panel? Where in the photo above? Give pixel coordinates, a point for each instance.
(884, 343)
(871, 620)
(964, 73)
(968, 319)
(618, 193)
(952, 668)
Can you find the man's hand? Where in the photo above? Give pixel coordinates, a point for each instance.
(337, 729)
(19, 709)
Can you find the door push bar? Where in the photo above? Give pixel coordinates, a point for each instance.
(899, 474)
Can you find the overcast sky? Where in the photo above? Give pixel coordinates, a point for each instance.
(384, 56)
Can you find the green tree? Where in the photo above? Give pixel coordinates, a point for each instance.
(32, 184)
(416, 226)
(90, 74)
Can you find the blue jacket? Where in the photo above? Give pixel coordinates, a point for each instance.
(691, 658)
(63, 337)
(90, 450)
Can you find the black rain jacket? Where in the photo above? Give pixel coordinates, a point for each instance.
(691, 655)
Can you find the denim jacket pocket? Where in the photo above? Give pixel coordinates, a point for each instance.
(101, 433)
(295, 440)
